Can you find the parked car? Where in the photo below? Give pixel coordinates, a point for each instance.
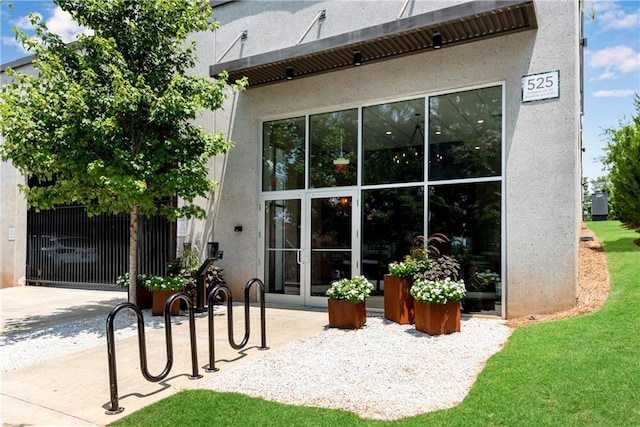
(59, 251)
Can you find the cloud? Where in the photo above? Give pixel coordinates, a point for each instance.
(59, 23)
(11, 42)
(619, 93)
(613, 16)
(615, 60)
(62, 24)
(606, 75)
(24, 22)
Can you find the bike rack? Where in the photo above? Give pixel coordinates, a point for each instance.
(111, 349)
(225, 289)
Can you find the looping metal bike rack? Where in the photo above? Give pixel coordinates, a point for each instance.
(142, 347)
(247, 321)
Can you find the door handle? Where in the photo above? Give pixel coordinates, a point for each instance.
(302, 256)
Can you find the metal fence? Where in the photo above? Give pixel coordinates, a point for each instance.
(67, 248)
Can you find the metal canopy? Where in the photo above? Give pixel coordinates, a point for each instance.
(459, 24)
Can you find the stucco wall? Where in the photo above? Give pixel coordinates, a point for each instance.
(13, 218)
(13, 226)
(541, 172)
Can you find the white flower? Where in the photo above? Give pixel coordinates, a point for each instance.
(438, 291)
(355, 290)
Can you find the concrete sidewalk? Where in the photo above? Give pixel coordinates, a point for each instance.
(74, 389)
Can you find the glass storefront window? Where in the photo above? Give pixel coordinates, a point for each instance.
(463, 181)
(391, 220)
(469, 215)
(283, 155)
(465, 134)
(333, 158)
(393, 142)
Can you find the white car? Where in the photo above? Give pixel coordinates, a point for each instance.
(68, 250)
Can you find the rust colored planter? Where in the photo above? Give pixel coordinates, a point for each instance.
(346, 314)
(160, 299)
(437, 319)
(144, 298)
(398, 303)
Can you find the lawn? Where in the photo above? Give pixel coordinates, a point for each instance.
(572, 372)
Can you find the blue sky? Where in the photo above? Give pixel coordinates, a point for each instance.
(611, 61)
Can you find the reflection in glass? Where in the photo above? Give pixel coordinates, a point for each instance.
(465, 134)
(328, 267)
(283, 154)
(391, 219)
(282, 241)
(393, 142)
(330, 242)
(469, 214)
(333, 149)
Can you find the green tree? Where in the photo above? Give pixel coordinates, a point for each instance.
(623, 160)
(107, 121)
(586, 199)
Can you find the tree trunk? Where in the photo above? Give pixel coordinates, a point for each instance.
(133, 253)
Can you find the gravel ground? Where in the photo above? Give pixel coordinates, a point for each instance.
(382, 371)
(26, 348)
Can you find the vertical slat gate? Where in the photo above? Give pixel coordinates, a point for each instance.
(65, 247)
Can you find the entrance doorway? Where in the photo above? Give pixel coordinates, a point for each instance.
(309, 242)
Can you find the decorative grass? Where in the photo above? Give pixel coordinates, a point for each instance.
(571, 372)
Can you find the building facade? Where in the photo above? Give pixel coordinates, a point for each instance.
(368, 123)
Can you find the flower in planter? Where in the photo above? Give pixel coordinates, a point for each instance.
(407, 268)
(170, 283)
(438, 291)
(354, 290)
(141, 281)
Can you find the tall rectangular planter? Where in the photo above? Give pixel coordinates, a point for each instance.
(144, 298)
(160, 299)
(437, 319)
(346, 314)
(398, 303)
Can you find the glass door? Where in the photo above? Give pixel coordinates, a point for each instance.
(331, 236)
(282, 244)
(308, 243)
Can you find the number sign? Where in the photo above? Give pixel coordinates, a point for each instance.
(537, 87)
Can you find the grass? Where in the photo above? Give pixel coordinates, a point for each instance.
(571, 372)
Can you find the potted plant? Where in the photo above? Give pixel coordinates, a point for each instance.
(487, 278)
(346, 305)
(186, 265)
(440, 268)
(398, 303)
(143, 295)
(437, 305)
(482, 297)
(163, 288)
